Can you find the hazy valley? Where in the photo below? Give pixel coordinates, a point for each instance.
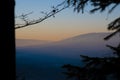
(42, 60)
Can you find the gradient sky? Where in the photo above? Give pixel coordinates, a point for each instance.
(65, 24)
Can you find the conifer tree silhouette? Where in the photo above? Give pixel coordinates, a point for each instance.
(97, 68)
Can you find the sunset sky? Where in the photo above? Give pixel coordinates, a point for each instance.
(65, 24)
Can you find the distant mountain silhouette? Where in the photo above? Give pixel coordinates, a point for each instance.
(88, 44)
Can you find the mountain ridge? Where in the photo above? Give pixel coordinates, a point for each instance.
(93, 37)
(89, 43)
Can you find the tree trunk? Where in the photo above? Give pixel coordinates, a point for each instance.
(7, 39)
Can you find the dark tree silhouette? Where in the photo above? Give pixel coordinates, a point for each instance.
(98, 5)
(8, 28)
(97, 68)
(7, 40)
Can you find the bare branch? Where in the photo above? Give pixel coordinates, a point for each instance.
(27, 22)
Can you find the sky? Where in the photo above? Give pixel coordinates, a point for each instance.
(65, 24)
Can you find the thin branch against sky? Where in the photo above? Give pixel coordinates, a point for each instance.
(27, 22)
(65, 24)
